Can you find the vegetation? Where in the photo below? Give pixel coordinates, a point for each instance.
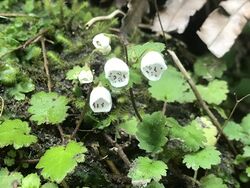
(67, 120)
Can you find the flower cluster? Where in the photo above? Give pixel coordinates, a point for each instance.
(117, 72)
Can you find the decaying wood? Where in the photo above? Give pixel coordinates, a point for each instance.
(175, 16)
(220, 30)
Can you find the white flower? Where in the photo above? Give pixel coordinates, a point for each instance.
(117, 72)
(153, 65)
(102, 43)
(100, 100)
(85, 76)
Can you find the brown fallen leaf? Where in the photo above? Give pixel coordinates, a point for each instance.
(175, 16)
(136, 10)
(219, 31)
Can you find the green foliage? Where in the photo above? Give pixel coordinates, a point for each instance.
(204, 158)
(49, 185)
(191, 136)
(215, 92)
(31, 181)
(15, 132)
(212, 181)
(246, 151)
(49, 108)
(144, 170)
(8, 73)
(239, 132)
(155, 184)
(129, 126)
(209, 67)
(163, 89)
(18, 91)
(152, 132)
(73, 73)
(7, 180)
(58, 161)
(135, 52)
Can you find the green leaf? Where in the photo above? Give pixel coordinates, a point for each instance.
(18, 91)
(49, 185)
(248, 171)
(246, 151)
(8, 179)
(191, 136)
(48, 108)
(209, 67)
(15, 132)
(172, 87)
(245, 124)
(143, 170)
(155, 184)
(215, 92)
(204, 158)
(233, 131)
(58, 161)
(73, 73)
(152, 132)
(129, 126)
(136, 51)
(211, 181)
(31, 181)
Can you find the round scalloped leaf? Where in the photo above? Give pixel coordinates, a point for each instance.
(49, 185)
(215, 92)
(15, 132)
(152, 132)
(143, 170)
(204, 158)
(172, 87)
(7, 180)
(58, 161)
(192, 137)
(49, 108)
(212, 181)
(31, 181)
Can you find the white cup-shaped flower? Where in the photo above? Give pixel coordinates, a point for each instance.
(153, 65)
(117, 72)
(85, 76)
(102, 43)
(100, 100)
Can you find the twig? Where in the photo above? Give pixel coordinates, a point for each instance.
(238, 101)
(61, 133)
(2, 106)
(81, 117)
(30, 161)
(28, 42)
(17, 15)
(101, 18)
(46, 63)
(199, 98)
(120, 151)
(164, 108)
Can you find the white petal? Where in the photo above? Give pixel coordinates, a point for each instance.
(153, 65)
(85, 77)
(117, 72)
(102, 43)
(100, 100)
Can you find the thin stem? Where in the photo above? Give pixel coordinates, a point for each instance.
(30, 161)
(81, 117)
(199, 98)
(46, 63)
(17, 15)
(120, 151)
(131, 93)
(195, 174)
(164, 108)
(61, 133)
(2, 106)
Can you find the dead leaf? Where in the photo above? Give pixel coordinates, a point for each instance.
(219, 31)
(175, 16)
(137, 8)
